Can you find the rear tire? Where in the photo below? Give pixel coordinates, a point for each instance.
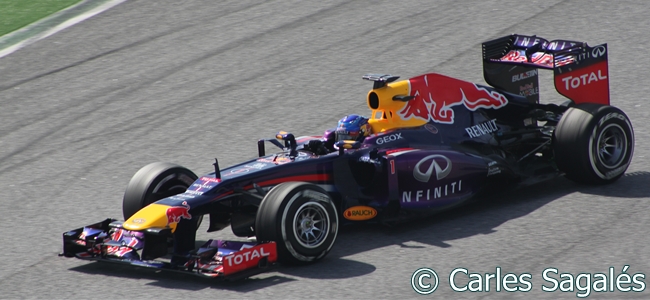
(301, 218)
(153, 182)
(594, 143)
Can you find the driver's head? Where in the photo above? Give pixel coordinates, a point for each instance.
(352, 127)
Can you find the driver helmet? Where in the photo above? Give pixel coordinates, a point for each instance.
(352, 127)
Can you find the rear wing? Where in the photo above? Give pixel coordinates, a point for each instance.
(580, 72)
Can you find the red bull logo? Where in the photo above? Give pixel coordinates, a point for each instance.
(175, 213)
(435, 95)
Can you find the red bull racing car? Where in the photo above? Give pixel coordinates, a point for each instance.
(431, 143)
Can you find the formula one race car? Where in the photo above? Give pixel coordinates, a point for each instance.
(432, 143)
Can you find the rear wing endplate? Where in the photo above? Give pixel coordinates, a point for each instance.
(580, 72)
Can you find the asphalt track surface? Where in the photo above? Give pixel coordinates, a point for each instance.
(53, 23)
(185, 81)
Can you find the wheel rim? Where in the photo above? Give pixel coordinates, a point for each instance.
(311, 224)
(612, 146)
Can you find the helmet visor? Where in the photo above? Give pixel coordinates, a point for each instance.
(346, 135)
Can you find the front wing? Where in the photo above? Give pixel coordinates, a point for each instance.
(107, 242)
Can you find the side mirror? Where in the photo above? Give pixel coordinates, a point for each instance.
(347, 144)
(289, 142)
(283, 136)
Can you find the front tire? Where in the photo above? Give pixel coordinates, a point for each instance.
(301, 218)
(594, 143)
(153, 182)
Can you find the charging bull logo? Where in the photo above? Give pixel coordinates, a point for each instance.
(435, 95)
(175, 213)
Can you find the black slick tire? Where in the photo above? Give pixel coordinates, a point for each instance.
(153, 182)
(301, 218)
(593, 143)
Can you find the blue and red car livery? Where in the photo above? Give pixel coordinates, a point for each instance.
(437, 142)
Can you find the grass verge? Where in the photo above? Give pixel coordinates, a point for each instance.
(15, 14)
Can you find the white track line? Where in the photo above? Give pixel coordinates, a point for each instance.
(58, 27)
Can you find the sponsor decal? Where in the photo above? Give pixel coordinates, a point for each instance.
(245, 256)
(528, 90)
(248, 258)
(493, 171)
(389, 138)
(598, 51)
(202, 185)
(176, 213)
(211, 266)
(257, 166)
(260, 164)
(360, 213)
(184, 196)
(186, 179)
(482, 128)
(588, 84)
(238, 170)
(543, 57)
(431, 128)
(96, 234)
(399, 151)
(121, 251)
(128, 240)
(433, 165)
(537, 58)
(524, 75)
(367, 159)
(433, 193)
(366, 129)
(315, 196)
(612, 115)
(571, 82)
(435, 95)
(210, 179)
(281, 160)
(81, 239)
(527, 41)
(559, 45)
(138, 221)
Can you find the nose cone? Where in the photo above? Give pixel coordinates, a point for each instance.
(152, 216)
